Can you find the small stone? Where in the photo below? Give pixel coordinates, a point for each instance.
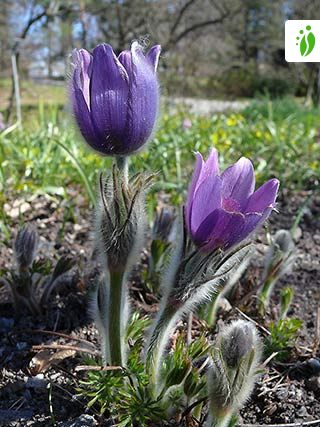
(302, 412)
(282, 394)
(297, 234)
(316, 239)
(224, 305)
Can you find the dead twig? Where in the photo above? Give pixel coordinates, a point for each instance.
(273, 355)
(57, 334)
(97, 368)
(253, 321)
(64, 347)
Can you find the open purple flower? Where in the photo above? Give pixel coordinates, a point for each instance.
(115, 99)
(223, 209)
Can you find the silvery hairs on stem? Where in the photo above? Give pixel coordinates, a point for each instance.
(233, 371)
(119, 236)
(191, 278)
(120, 219)
(278, 261)
(280, 255)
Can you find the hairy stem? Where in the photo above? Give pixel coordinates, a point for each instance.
(265, 294)
(157, 344)
(122, 164)
(115, 322)
(212, 310)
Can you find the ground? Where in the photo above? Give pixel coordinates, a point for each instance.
(38, 389)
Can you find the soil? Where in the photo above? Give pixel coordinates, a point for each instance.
(38, 389)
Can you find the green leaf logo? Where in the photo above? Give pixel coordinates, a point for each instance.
(307, 42)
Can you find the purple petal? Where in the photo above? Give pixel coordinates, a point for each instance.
(153, 56)
(205, 229)
(83, 118)
(264, 197)
(126, 60)
(211, 166)
(254, 220)
(192, 188)
(228, 229)
(238, 181)
(109, 96)
(82, 61)
(143, 100)
(207, 198)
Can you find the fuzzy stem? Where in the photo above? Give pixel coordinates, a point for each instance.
(122, 164)
(265, 294)
(115, 311)
(212, 310)
(157, 344)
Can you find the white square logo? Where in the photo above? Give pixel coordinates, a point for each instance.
(302, 41)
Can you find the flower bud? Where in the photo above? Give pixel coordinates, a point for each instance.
(284, 241)
(115, 99)
(233, 372)
(120, 219)
(162, 225)
(237, 343)
(25, 247)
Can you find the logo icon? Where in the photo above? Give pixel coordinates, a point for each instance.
(306, 40)
(302, 40)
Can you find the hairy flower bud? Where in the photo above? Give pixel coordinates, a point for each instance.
(283, 240)
(25, 247)
(120, 219)
(233, 371)
(236, 344)
(278, 261)
(162, 225)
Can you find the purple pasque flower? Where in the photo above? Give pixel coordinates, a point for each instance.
(115, 99)
(223, 209)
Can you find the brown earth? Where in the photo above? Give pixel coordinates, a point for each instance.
(26, 398)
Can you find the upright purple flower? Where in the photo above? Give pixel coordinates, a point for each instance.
(115, 99)
(223, 209)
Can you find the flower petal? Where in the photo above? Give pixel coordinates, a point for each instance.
(82, 62)
(207, 198)
(126, 60)
(83, 118)
(264, 197)
(228, 229)
(143, 100)
(238, 181)
(211, 166)
(109, 96)
(153, 56)
(205, 229)
(192, 187)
